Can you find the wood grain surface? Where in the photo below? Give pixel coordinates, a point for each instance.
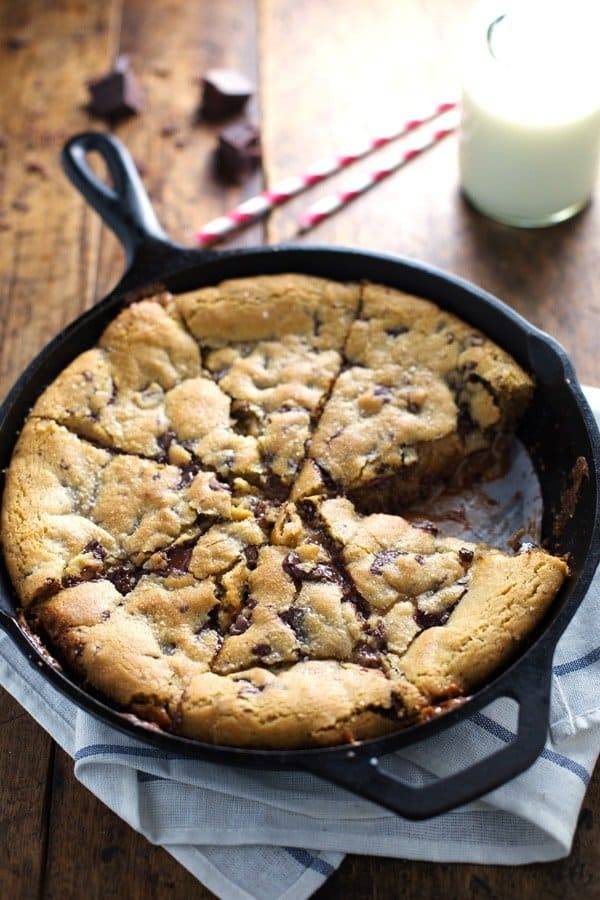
(328, 73)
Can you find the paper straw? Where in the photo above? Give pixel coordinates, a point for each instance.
(256, 207)
(331, 203)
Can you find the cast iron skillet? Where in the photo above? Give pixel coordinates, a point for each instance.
(559, 428)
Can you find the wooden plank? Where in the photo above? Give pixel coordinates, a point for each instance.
(574, 878)
(171, 44)
(49, 248)
(48, 254)
(332, 72)
(26, 757)
(93, 853)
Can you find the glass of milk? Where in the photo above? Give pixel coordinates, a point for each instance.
(530, 131)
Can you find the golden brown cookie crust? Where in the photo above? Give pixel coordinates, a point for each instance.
(201, 513)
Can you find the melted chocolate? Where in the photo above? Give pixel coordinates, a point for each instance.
(96, 549)
(293, 566)
(431, 620)
(251, 554)
(177, 558)
(294, 617)
(124, 577)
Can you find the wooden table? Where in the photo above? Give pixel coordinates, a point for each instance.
(327, 72)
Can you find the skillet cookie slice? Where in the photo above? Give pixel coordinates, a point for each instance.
(273, 344)
(74, 510)
(443, 614)
(202, 514)
(142, 391)
(425, 398)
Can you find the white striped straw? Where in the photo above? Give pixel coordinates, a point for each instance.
(331, 203)
(256, 207)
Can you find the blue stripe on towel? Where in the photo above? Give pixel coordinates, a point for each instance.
(576, 664)
(118, 750)
(309, 861)
(504, 734)
(494, 728)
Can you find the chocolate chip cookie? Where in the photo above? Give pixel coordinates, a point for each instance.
(203, 519)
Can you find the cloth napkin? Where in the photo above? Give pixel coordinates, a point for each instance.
(251, 835)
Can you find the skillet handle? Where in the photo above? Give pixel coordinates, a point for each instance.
(362, 774)
(125, 207)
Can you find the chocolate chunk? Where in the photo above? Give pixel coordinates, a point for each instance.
(465, 555)
(177, 558)
(238, 153)
(275, 489)
(224, 93)
(261, 649)
(96, 549)
(251, 554)
(241, 623)
(117, 94)
(293, 567)
(397, 331)
(366, 656)
(294, 617)
(17, 41)
(124, 577)
(164, 442)
(431, 620)
(188, 473)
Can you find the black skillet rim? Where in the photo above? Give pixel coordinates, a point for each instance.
(547, 636)
(151, 257)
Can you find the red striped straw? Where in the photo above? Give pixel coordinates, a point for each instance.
(330, 204)
(256, 207)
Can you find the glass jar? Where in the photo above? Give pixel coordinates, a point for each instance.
(530, 130)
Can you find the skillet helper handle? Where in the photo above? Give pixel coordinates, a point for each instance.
(363, 775)
(125, 207)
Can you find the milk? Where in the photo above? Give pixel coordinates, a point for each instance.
(530, 131)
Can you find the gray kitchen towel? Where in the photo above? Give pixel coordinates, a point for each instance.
(251, 835)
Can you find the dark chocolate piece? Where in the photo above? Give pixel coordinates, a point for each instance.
(225, 92)
(294, 617)
(431, 620)
(238, 153)
(117, 94)
(17, 41)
